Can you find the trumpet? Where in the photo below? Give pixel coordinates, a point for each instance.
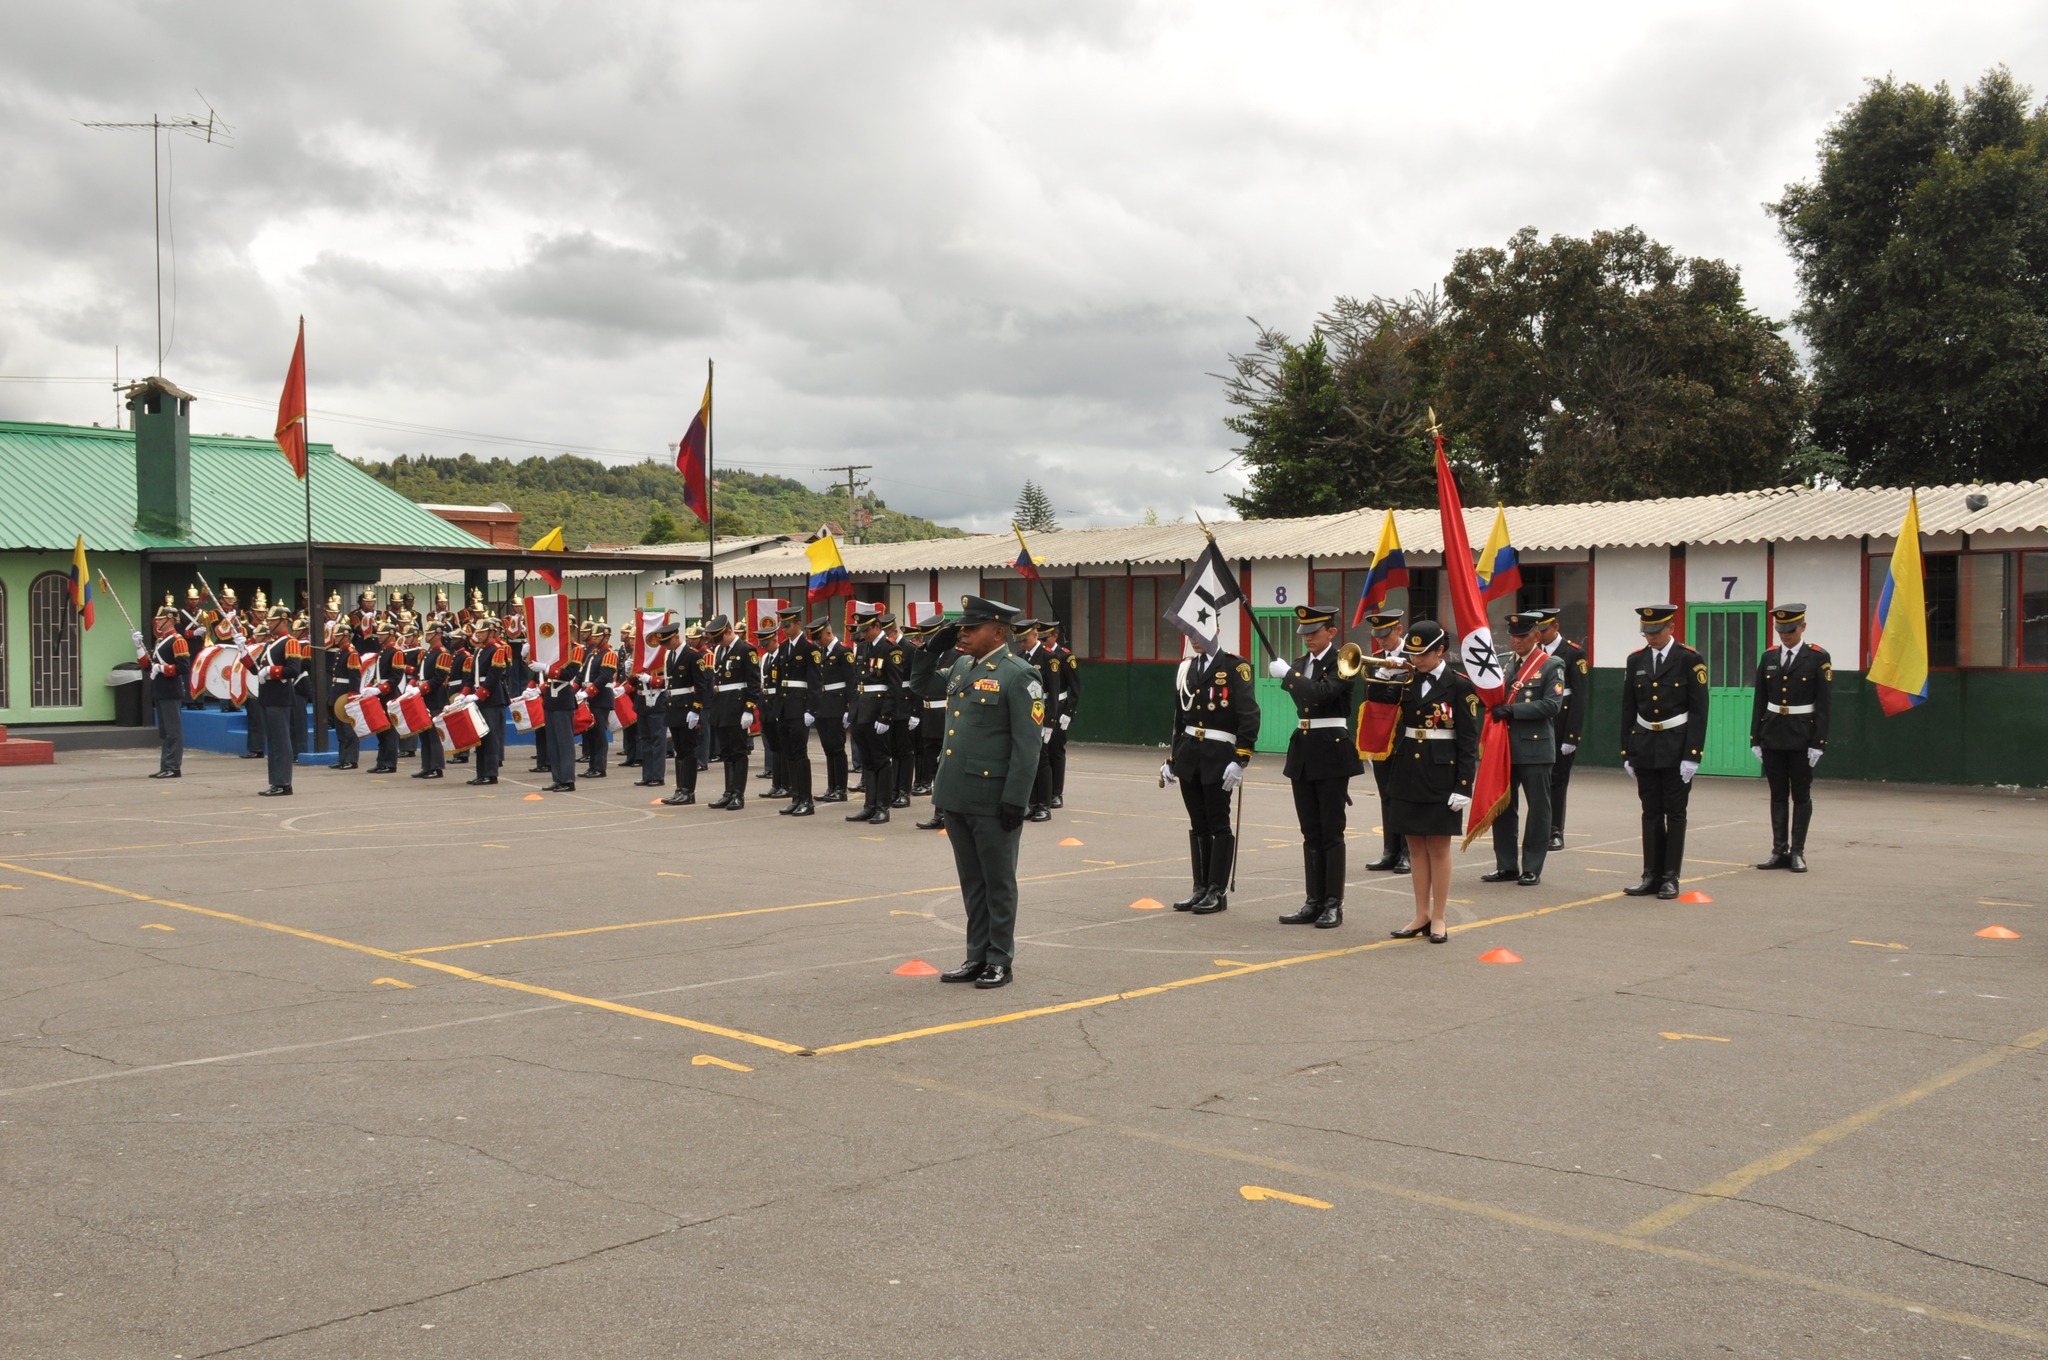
(1350, 660)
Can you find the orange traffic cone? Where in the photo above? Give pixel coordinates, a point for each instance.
(1148, 904)
(916, 968)
(1696, 897)
(1997, 933)
(1070, 841)
(1500, 956)
(533, 798)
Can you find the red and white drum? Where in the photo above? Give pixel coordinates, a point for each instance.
(584, 718)
(371, 719)
(527, 715)
(218, 671)
(409, 715)
(463, 727)
(623, 713)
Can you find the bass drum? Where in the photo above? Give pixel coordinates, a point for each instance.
(218, 672)
(343, 709)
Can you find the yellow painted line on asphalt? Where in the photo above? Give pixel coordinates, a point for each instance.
(1710, 1038)
(390, 982)
(155, 926)
(1880, 944)
(706, 1060)
(465, 974)
(12, 887)
(1508, 1217)
(1740, 1179)
(1259, 1192)
(1241, 970)
(1987, 902)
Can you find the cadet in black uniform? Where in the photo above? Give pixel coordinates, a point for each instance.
(559, 692)
(685, 680)
(1788, 731)
(1025, 644)
(940, 647)
(1321, 758)
(1069, 671)
(734, 705)
(435, 669)
(910, 717)
(168, 660)
(800, 670)
(877, 711)
(490, 683)
(651, 684)
(923, 664)
(836, 689)
(600, 675)
(1663, 731)
(771, 638)
(344, 676)
(382, 678)
(1434, 760)
(276, 669)
(1215, 728)
(1386, 642)
(1571, 719)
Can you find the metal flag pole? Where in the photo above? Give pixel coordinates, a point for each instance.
(316, 609)
(710, 497)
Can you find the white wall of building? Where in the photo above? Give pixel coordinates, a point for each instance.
(1709, 566)
(1279, 583)
(1825, 576)
(1624, 578)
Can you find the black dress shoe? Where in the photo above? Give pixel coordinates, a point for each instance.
(995, 975)
(648, 783)
(832, 796)
(276, 791)
(1780, 859)
(803, 809)
(1057, 802)
(920, 790)
(880, 817)
(479, 781)
(1038, 814)
(1331, 916)
(1401, 865)
(1642, 889)
(1501, 876)
(1435, 938)
(1530, 880)
(437, 774)
(969, 971)
(559, 788)
(537, 769)
(593, 774)
(422, 774)
(901, 800)
(738, 804)
(383, 769)
(680, 799)
(1216, 901)
(1196, 896)
(350, 765)
(1303, 915)
(1667, 890)
(252, 755)
(1411, 932)
(165, 774)
(1382, 864)
(937, 823)
(863, 815)
(775, 791)
(1557, 840)
(1798, 864)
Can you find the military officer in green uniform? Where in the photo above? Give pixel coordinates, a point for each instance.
(1530, 710)
(1663, 731)
(995, 709)
(1788, 731)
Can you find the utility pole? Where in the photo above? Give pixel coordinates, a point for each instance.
(851, 489)
(211, 130)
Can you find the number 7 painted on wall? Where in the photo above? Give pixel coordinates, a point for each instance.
(1729, 593)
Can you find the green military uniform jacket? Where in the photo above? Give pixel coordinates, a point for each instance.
(1533, 706)
(994, 709)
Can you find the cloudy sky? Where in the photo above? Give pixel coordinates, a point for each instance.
(967, 243)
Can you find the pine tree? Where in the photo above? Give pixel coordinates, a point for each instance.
(1034, 508)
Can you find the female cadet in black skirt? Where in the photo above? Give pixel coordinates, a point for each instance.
(1430, 770)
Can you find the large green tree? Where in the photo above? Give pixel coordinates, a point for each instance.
(1614, 368)
(1922, 249)
(1338, 420)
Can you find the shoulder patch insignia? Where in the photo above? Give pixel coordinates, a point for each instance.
(1472, 702)
(1038, 712)
(1244, 671)
(1582, 665)
(896, 655)
(1827, 672)
(1699, 673)
(1035, 690)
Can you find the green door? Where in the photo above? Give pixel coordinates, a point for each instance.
(1731, 637)
(1276, 710)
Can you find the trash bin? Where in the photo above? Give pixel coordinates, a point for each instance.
(131, 697)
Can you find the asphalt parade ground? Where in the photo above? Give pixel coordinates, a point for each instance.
(395, 1068)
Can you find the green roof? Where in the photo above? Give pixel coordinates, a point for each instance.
(60, 481)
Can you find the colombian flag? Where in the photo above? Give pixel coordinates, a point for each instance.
(551, 541)
(1389, 569)
(1026, 564)
(693, 460)
(81, 583)
(828, 571)
(1898, 626)
(1500, 571)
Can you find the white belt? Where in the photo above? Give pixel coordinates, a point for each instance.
(935, 703)
(728, 689)
(1790, 709)
(1667, 724)
(796, 684)
(874, 689)
(1210, 734)
(836, 684)
(767, 689)
(1307, 723)
(1429, 733)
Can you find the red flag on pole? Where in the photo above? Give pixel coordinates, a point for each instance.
(291, 408)
(1483, 665)
(693, 461)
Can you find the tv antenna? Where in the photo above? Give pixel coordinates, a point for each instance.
(214, 131)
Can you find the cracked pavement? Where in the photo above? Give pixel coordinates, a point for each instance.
(227, 1139)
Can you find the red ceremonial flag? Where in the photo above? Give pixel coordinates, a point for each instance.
(291, 408)
(693, 458)
(1490, 787)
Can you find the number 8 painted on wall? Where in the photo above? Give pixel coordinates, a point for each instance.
(1279, 594)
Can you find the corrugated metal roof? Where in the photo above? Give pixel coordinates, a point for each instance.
(64, 480)
(1783, 514)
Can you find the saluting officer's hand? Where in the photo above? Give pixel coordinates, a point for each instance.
(1277, 669)
(1009, 816)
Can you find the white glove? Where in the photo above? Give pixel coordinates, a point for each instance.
(1166, 772)
(1687, 769)
(536, 668)
(138, 638)
(1628, 769)
(1065, 718)
(690, 719)
(747, 721)
(1812, 756)
(881, 729)
(1757, 751)
(644, 678)
(1233, 775)
(912, 724)
(1567, 747)
(810, 720)
(1045, 736)
(1277, 669)
(530, 693)
(846, 720)
(1459, 802)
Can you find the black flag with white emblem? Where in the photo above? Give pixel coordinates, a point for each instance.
(1205, 595)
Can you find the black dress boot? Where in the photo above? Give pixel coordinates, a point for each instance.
(1312, 875)
(1332, 913)
(1802, 817)
(1781, 857)
(1222, 852)
(1198, 858)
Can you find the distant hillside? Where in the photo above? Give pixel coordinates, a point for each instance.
(596, 503)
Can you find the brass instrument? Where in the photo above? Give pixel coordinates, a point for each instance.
(1350, 660)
